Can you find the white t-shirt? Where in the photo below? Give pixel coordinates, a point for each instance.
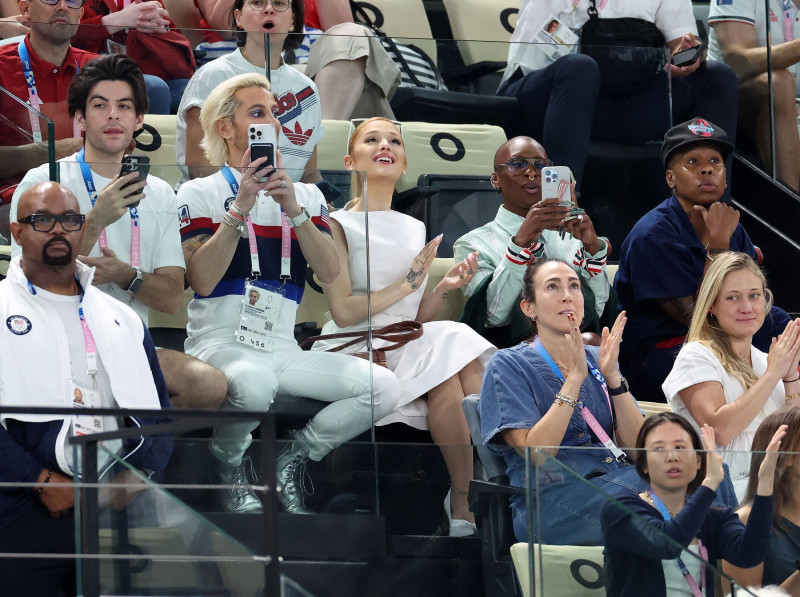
(214, 318)
(158, 224)
(752, 12)
(299, 110)
(674, 18)
(696, 364)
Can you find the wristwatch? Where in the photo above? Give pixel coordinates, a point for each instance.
(137, 282)
(300, 218)
(621, 389)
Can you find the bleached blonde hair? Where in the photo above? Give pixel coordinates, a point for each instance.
(221, 104)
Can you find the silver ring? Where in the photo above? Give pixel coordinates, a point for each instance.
(283, 184)
(580, 218)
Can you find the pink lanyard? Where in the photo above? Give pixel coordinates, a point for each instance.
(136, 232)
(286, 235)
(33, 94)
(788, 26)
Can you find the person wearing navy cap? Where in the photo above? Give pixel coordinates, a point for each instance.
(664, 258)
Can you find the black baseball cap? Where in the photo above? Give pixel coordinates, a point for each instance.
(697, 130)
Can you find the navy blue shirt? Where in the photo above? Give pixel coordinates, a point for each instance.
(661, 258)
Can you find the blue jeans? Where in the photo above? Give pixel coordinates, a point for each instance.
(570, 510)
(164, 97)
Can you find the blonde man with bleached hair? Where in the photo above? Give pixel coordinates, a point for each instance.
(254, 344)
(221, 105)
(719, 377)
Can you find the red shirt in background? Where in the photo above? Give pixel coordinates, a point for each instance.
(92, 34)
(52, 82)
(312, 16)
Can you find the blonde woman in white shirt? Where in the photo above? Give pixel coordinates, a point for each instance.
(719, 377)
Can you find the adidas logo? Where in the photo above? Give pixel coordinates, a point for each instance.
(298, 136)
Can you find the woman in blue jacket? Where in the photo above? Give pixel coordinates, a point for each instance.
(646, 552)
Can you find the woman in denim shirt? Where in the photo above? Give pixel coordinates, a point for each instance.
(530, 399)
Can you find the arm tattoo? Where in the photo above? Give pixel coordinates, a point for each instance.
(194, 243)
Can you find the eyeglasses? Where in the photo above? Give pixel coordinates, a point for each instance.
(70, 3)
(46, 222)
(277, 5)
(517, 166)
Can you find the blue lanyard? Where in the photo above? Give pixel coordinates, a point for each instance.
(226, 172)
(662, 509)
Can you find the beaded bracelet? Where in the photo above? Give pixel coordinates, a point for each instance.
(562, 398)
(792, 381)
(44, 484)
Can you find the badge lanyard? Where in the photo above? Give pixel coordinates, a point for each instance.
(788, 26)
(662, 508)
(88, 338)
(136, 231)
(33, 94)
(583, 409)
(286, 235)
(575, 3)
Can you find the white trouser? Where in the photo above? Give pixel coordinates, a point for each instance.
(255, 377)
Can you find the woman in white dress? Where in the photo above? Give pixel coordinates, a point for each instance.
(447, 362)
(719, 377)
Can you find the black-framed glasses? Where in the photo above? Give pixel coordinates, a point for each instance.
(70, 3)
(46, 222)
(277, 5)
(517, 166)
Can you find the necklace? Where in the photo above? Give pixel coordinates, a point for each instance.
(561, 366)
(650, 499)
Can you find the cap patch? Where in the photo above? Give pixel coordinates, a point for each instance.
(701, 128)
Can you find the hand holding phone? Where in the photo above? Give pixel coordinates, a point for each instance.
(263, 141)
(689, 56)
(135, 163)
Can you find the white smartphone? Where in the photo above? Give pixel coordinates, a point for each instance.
(263, 141)
(556, 181)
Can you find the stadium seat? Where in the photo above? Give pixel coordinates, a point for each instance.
(332, 147)
(452, 149)
(476, 23)
(156, 139)
(404, 20)
(566, 570)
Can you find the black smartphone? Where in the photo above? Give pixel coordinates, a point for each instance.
(135, 163)
(262, 141)
(690, 56)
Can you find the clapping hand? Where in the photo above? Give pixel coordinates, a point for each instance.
(609, 351)
(422, 263)
(766, 472)
(460, 274)
(714, 471)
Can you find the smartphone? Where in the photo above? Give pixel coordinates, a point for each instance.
(135, 163)
(555, 183)
(263, 141)
(690, 56)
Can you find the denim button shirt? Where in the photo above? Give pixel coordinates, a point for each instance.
(518, 389)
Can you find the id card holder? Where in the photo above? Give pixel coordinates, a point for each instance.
(85, 398)
(113, 47)
(259, 315)
(555, 38)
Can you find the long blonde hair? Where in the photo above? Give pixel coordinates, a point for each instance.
(704, 327)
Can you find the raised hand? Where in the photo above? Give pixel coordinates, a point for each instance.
(766, 472)
(547, 214)
(714, 471)
(113, 201)
(461, 273)
(582, 228)
(783, 352)
(609, 351)
(576, 366)
(421, 264)
(250, 186)
(720, 219)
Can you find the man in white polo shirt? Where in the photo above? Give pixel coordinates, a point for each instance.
(739, 37)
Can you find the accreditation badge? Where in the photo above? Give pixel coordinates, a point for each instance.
(259, 315)
(555, 38)
(85, 398)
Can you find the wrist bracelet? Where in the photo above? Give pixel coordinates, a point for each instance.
(235, 215)
(562, 398)
(236, 209)
(794, 396)
(792, 381)
(44, 484)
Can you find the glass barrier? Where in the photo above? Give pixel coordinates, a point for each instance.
(594, 532)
